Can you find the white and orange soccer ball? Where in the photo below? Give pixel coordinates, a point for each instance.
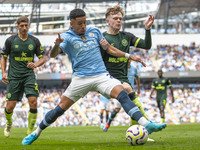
(137, 135)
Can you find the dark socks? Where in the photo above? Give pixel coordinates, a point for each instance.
(132, 95)
(101, 117)
(129, 107)
(51, 116)
(112, 116)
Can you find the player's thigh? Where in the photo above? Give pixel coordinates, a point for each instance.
(15, 90)
(163, 102)
(105, 83)
(31, 87)
(101, 105)
(127, 87)
(78, 88)
(107, 107)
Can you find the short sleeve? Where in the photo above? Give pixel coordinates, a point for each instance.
(39, 49)
(153, 84)
(7, 48)
(64, 44)
(99, 35)
(169, 82)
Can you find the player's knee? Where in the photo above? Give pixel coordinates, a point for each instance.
(117, 110)
(33, 104)
(10, 107)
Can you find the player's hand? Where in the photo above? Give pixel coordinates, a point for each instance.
(4, 78)
(31, 65)
(149, 22)
(137, 59)
(104, 44)
(58, 40)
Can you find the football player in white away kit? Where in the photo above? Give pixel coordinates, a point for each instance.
(82, 44)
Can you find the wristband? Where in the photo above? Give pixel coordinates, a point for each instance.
(127, 55)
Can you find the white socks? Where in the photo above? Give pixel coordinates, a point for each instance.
(142, 121)
(38, 131)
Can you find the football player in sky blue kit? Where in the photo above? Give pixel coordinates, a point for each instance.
(82, 44)
(104, 107)
(133, 76)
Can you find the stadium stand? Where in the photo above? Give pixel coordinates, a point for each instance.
(177, 54)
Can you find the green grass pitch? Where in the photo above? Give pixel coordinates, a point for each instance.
(174, 137)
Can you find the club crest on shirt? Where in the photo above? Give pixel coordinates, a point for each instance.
(83, 38)
(124, 42)
(163, 81)
(91, 34)
(30, 46)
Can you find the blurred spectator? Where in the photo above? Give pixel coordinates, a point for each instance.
(186, 108)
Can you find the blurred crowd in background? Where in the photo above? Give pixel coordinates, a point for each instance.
(168, 57)
(186, 108)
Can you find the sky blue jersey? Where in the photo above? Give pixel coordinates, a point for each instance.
(84, 51)
(104, 99)
(132, 74)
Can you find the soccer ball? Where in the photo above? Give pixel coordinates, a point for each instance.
(136, 135)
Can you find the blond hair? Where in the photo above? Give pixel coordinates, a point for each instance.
(114, 10)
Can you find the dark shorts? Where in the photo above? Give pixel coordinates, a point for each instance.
(16, 89)
(161, 101)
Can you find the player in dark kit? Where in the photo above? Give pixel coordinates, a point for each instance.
(118, 66)
(160, 85)
(21, 49)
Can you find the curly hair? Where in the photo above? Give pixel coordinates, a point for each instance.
(114, 10)
(76, 13)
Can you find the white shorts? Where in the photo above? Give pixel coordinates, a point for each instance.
(80, 86)
(116, 103)
(105, 106)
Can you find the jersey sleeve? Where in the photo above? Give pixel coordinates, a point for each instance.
(63, 45)
(169, 82)
(153, 84)
(7, 48)
(103, 52)
(98, 35)
(39, 51)
(133, 39)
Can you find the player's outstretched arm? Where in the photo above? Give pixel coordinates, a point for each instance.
(137, 59)
(56, 50)
(149, 22)
(116, 52)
